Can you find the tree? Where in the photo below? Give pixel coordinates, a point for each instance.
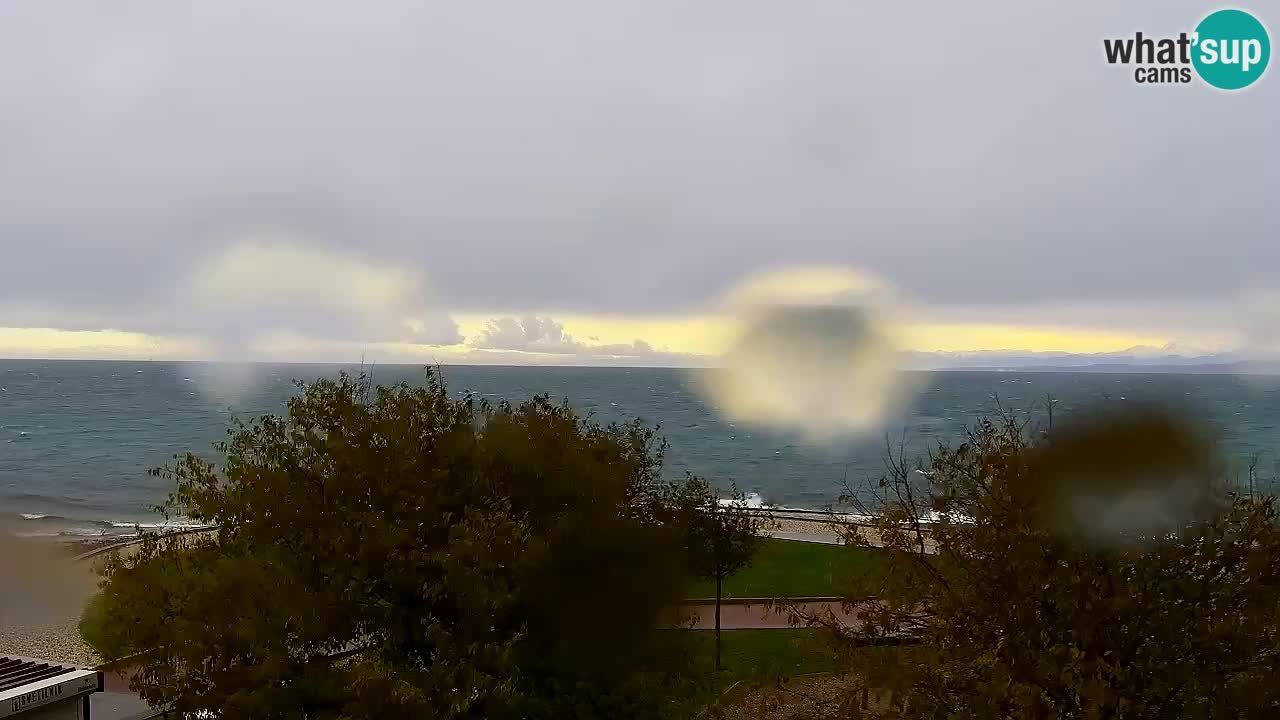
(1030, 600)
(458, 559)
(722, 536)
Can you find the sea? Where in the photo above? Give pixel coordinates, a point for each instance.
(77, 437)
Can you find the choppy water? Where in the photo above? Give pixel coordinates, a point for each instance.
(76, 438)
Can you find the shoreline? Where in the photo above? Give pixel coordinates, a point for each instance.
(72, 546)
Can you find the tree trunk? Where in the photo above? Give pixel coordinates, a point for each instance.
(719, 581)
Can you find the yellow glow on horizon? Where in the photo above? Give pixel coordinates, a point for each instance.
(53, 343)
(700, 335)
(288, 346)
(968, 337)
(711, 335)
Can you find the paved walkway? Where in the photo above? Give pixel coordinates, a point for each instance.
(818, 529)
(743, 616)
(809, 537)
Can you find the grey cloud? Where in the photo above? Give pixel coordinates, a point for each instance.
(571, 155)
(264, 285)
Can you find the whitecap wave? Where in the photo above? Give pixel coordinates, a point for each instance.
(751, 500)
(82, 532)
(72, 532)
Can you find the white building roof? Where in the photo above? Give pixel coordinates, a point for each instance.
(28, 683)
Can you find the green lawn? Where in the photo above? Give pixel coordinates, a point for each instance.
(789, 568)
(755, 653)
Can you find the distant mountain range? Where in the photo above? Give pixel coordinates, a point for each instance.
(1139, 359)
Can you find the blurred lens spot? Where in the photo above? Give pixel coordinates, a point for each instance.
(1142, 472)
(814, 356)
(814, 286)
(226, 383)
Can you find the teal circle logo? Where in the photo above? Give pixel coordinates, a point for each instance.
(1231, 49)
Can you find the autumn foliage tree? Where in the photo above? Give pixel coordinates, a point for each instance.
(1103, 569)
(397, 552)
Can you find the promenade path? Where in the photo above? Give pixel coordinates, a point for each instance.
(759, 615)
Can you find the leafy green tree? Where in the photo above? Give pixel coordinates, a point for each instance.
(722, 535)
(1029, 600)
(395, 552)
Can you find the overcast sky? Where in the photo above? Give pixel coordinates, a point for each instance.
(312, 176)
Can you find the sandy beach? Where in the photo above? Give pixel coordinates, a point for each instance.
(42, 592)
